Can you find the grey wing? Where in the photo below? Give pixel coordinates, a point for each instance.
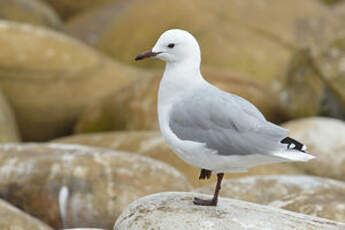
(225, 122)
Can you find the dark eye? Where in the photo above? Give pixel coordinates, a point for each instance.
(171, 45)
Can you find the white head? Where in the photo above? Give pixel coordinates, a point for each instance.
(175, 46)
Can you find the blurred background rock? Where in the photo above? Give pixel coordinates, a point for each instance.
(67, 76)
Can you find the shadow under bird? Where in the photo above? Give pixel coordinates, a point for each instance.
(208, 128)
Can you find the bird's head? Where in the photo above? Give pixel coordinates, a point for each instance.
(174, 45)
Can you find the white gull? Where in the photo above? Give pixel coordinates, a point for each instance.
(208, 128)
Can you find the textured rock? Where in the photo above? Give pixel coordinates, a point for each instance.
(235, 34)
(175, 211)
(68, 8)
(29, 11)
(324, 138)
(49, 82)
(304, 194)
(151, 144)
(332, 65)
(8, 125)
(135, 107)
(75, 186)
(302, 82)
(12, 218)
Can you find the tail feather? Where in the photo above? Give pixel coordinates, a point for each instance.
(293, 144)
(294, 151)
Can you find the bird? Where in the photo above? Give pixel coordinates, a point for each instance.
(210, 129)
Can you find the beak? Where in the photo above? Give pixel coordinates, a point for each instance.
(146, 54)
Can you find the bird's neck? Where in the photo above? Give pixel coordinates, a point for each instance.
(177, 79)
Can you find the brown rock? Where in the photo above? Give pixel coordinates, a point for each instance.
(324, 138)
(305, 194)
(252, 38)
(332, 65)
(303, 81)
(67, 8)
(29, 11)
(151, 144)
(49, 82)
(8, 125)
(90, 25)
(135, 107)
(13, 218)
(75, 186)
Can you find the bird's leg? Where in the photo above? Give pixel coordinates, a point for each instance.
(205, 174)
(214, 200)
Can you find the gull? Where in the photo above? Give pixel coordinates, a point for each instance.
(211, 129)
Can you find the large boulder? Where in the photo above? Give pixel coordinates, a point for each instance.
(75, 186)
(332, 66)
(8, 125)
(176, 211)
(253, 38)
(324, 138)
(302, 82)
(314, 196)
(12, 218)
(49, 82)
(68, 8)
(135, 106)
(152, 144)
(29, 11)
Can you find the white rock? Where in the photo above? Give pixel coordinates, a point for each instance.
(175, 211)
(325, 138)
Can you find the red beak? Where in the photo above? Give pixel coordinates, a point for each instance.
(146, 54)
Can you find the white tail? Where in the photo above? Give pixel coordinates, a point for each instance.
(294, 155)
(63, 198)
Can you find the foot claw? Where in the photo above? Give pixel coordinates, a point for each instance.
(201, 202)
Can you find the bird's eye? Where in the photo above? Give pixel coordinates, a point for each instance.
(171, 45)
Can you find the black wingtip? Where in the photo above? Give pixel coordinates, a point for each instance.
(293, 144)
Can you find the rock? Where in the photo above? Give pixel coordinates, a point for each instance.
(151, 144)
(314, 196)
(332, 65)
(29, 11)
(74, 186)
(324, 138)
(12, 218)
(234, 34)
(65, 72)
(135, 107)
(175, 211)
(89, 25)
(302, 82)
(67, 8)
(8, 125)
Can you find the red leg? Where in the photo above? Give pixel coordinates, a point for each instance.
(214, 200)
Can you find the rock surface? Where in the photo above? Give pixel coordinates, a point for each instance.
(64, 71)
(75, 186)
(304, 194)
(324, 138)
(251, 43)
(135, 107)
(12, 218)
(175, 211)
(302, 82)
(8, 125)
(68, 8)
(151, 144)
(29, 11)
